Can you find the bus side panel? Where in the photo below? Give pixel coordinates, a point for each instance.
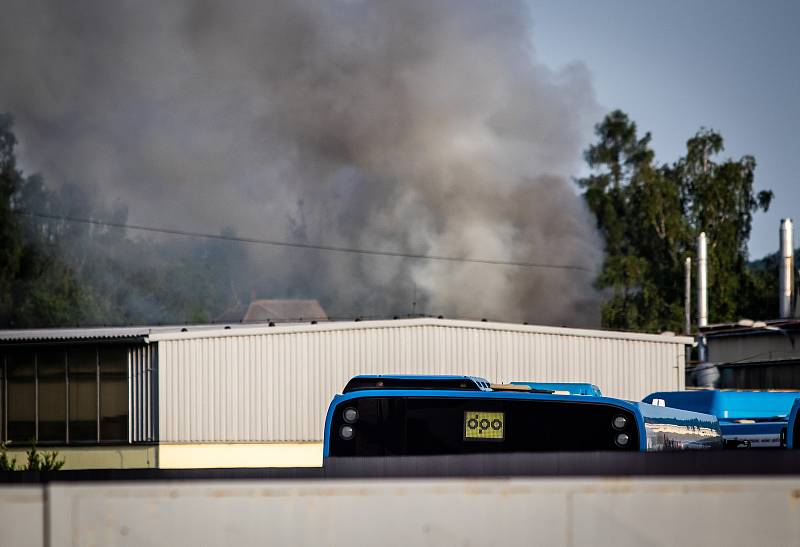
(793, 427)
(672, 429)
(759, 434)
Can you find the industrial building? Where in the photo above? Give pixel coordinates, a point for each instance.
(748, 354)
(256, 395)
(755, 354)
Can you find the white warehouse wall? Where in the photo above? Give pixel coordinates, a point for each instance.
(274, 384)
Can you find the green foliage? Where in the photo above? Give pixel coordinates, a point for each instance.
(650, 217)
(36, 286)
(6, 464)
(11, 244)
(38, 461)
(59, 273)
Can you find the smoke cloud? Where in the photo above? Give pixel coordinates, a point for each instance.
(411, 126)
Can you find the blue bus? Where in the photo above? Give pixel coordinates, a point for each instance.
(754, 419)
(563, 388)
(793, 426)
(437, 415)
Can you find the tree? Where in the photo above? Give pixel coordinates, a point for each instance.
(57, 272)
(650, 216)
(719, 201)
(10, 232)
(37, 288)
(638, 212)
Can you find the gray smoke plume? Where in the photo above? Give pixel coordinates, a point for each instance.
(414, 126)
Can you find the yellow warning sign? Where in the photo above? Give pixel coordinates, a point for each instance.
(485, 426)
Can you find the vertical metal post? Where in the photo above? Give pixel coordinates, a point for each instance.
(97, 385)
(36, 394)
(786, 270)
(687, 297)
(66, 388)
(129, 353)
(702, 294)
(5, 398)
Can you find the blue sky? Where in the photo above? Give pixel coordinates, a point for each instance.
(677, 65)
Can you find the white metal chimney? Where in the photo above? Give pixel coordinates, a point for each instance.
(687, 297)
(786, 270)
(702, 281)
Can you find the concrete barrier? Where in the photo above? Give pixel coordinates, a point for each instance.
(22, 520)
(524, 511)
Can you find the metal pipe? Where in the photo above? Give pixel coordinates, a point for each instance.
(702, 281)
(786, 270)
(687, 297)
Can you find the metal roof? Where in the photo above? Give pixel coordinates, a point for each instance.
(212, 331)
(747, 327)
(77, 334)
(106, 333)
(180, 332)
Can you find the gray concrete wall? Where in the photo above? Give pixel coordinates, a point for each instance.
(616, 512)
(22, 516)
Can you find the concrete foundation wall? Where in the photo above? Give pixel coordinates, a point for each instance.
(220, 455)
(618, 512)
(183, 456)
(96, 457)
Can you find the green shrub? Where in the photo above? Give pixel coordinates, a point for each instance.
(42, 461)
(5, 463)
(37, 461)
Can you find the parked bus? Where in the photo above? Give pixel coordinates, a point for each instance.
(435, 415)
(747, 418)
(793, 427)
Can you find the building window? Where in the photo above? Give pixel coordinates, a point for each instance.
(113, 394)
(52, 373)
(82, 366)
(21, 389)
(56, 396)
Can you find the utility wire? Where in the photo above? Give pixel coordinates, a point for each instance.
(329, 248)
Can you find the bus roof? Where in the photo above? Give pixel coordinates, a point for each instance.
(572, 388)
(729, 405)
(441, 382)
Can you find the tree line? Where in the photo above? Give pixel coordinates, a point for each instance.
(58, 273)
(650, 217)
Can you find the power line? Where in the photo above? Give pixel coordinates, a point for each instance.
(330, 248)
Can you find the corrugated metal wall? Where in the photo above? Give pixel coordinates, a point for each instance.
(275, 384)
(143, 395)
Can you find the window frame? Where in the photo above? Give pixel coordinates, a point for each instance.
(64, 348)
